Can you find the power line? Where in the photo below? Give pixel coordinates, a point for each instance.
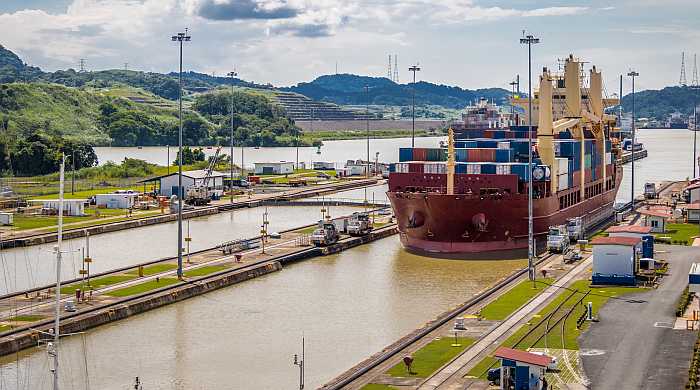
(82, 65)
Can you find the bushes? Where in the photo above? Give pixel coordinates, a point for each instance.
(694, 371)
(683, 302)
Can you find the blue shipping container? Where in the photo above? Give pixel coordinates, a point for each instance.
(405, 154)
(461, 155)
(488, 169)
(460, 168)
(486, 144)
(504, 155)
(648, 246)
(392, 167)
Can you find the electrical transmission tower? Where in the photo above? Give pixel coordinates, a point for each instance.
(683, 82)
(695, 82)
(82, 65)
(126, 66)
(388, 73)
(396, 68)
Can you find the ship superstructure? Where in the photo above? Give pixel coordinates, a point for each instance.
(470, 199)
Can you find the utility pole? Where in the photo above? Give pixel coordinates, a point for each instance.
(263, 230)
(180, 38)
(530, 40)
(72, 167)
(300, 363)
(414, 69)
(232, 75)
(368, 166)
(168, 162)
(633, 74)
(53, 351)
(695, 89)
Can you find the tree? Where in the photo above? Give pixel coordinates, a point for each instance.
(189, 156)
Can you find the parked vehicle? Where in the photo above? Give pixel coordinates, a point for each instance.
(201, 195)
(494, 375)
(576, 229)
(558, 239)
(359, 224)
(650, 191)
(326, 234)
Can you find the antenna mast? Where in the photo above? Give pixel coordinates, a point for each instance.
(683, 82)
(388, 73)
(82, 65)
(695, 70)
(396, 68)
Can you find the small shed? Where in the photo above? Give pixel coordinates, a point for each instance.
(6, 219)
(694, 278)
(642, 232)
(274, 168)
(355, 168)
(71, 207)
(521, 369)
(656, 219)
(168, 184)
(615, 260)
(117, 200)
(693, 212)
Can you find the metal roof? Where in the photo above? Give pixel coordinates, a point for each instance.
(523, 356)
(194, 174)
(629, 229)
(627, 241)
(656, 213)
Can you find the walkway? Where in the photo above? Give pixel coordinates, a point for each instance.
(441, 378)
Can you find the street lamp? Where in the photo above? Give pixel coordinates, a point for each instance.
(300, 363)
(529, 40)
(695, 88)
(633, 74)
(414, 69)
(180, 37)
(232, 74)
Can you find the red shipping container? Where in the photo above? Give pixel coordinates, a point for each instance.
(609, 169)
(488, 133)
(481, 155)
(577, 179)
(420, 154)
(415, 167)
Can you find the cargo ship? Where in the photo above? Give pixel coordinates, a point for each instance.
(470, 198)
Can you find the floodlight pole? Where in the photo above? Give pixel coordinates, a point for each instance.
(529, 40)
(633, 74)
(414, 69)
(232, 75)
(180, 37)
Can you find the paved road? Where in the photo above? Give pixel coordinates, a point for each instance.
(634, 346)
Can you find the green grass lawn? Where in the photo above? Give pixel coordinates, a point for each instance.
(4, 328)
(431, 357)
(50, 223)
(86, 193)
(554, 338)
(143, 287)
(154, 269)
(512, 300)
(374, 386)
(97, 283)
(26, 318)
(206, 270)
(680, 233)
(307, 230)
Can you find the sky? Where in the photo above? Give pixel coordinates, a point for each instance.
(468, 43)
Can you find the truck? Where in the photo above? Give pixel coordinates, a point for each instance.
(558, 239)
(650, 191)
(326, 234)
(359, 224)
(575, 228)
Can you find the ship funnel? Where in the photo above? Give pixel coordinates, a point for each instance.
(545, 131)
(450, 161)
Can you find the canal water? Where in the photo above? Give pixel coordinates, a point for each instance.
(23, 268)
(347, 306)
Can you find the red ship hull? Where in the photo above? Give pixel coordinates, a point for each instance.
(473, 226)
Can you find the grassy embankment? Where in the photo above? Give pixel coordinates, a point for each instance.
(680, 233)
(553, 339)
(333, 135)
(431, 357)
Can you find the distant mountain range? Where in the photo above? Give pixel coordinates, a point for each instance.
(341, 89)
(349, 89)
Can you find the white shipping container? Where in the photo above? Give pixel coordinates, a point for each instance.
(503, 145)
(6, 219)
(503, 169)
(608, 158)
(401, 167)
(474, 169)
(434, 168)
(562, 165)
(563, 182)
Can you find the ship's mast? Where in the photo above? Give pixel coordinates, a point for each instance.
(545, 131)
(572, 84)
(450, 161)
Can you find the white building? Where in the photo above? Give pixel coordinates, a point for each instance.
(274, 168)
(169, 183)
(355, 168)
(117, 200)
(693, 211)
(615, 260)
(71, 207)
(656, 219)
(694, 192)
